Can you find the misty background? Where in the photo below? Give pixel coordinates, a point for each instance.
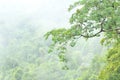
(23, 50)
(43, 14)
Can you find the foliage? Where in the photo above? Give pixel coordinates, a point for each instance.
(92, 72)
(112, 68)
(26, 58)
(93, 18)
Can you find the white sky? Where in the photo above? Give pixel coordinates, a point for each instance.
(47, 13)
(22, 7)
(18, 6)
(45, 9)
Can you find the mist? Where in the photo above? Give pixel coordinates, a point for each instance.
(24, 51)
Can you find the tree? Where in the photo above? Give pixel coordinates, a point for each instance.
(92, 19)
(112, 69)
(92, 71)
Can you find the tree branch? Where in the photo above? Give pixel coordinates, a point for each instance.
(101, 30)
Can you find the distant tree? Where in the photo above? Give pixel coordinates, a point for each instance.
(92, 72)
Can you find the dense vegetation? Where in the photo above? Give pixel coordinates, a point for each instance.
(88, 50)
(26, 58)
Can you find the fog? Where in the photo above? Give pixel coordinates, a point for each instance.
(23, 50)
(43, 14)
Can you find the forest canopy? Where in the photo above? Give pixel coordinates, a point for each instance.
(86, 48)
